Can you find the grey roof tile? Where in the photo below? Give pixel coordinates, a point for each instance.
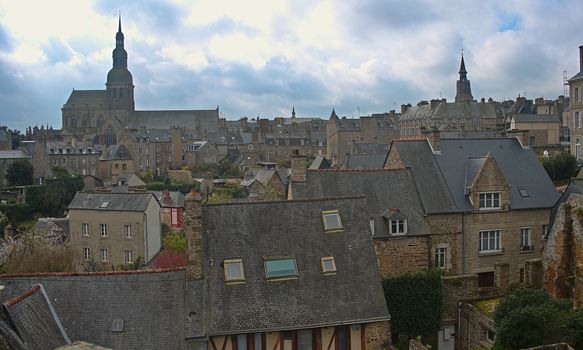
(364, 161)
(256, 231)
(117, 201)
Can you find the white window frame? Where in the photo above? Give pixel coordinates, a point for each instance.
(239, 263)
(328, 259)
(103, 230)
(327, 226)
(441, 258)
(490, 241)
(86, 253)
(127, 231)
(526, 238)
(85, 229)
(487, 200)
(129, 256)
(104, 254)
(400, 227)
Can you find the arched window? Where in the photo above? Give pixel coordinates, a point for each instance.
(110, 138)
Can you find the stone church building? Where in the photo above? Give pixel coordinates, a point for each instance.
(100, 116)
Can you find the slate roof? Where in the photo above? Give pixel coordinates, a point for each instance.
(432, 187)
(176, 199)
(34, 319)
(81, 98)
(320, 163)
(16, 154)
(520, 167)
(383, 189)
(261, 175)
(131, 180)
(151, 303)
(368, 148)
(117, 152)
(348, 124)
(364, 161)
(536, 118)
(252, 231)
(577, 76)
(117, 201)
(449, 110)
(164, 119)
(575, 187)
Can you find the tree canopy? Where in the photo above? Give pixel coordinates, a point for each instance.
(19, 173)
(560, 166)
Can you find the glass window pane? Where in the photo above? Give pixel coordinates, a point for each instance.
(258, 341)
(242, 342)
(332, 221)
(305, 339)
(280, 268)
(234, 270)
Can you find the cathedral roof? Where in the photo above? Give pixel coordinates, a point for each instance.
(119, 76)
(86, 97)
(190, 119)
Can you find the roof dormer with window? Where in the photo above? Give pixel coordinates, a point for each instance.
(486, 186)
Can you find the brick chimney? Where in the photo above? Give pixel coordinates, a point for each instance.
(193, 227)
(434, 137)
(298, 172)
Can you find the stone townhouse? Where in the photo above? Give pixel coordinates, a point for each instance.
(267, 179)
(342, 132)
(292, 275)
(575, 109)
(115, 160)
(502, 198)
(541, 129)
(115, 228)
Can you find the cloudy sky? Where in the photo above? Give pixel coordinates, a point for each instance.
(261, 57)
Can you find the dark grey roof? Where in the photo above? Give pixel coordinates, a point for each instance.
(433, 190)
(320, 163)
(575, 187)
(34, 319)
(256, 231)
(117, 201)
(364, 161)
(577, 76)
(17, 154)
(200, 120)
(368, 148)
(151, 304)
(117, 152)
(261, 175)
(348, 124)
(384, 189)
(83, 98)
(536, 118)
(449, 110)
(520, 167)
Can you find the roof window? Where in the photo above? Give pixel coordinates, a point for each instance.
(234, 270)
(280, 268)
(523, 193)
(332, 221)
(328, 264)
(117, 325)
(104, 204)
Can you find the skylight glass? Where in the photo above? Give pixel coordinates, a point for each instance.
(523, 192)
(234, 270)
(104, 204)
(331, 220)
(328, 264)
(277, 268)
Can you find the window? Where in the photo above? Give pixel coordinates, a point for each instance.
(523, 193)
(124, 166)
(441, 258)
(545, 231)
(104, 204)
(578, 148)
(278, 268)
(490, 241)
(490, 200)
(85, 229)
(86, 253)
(127, 231)
(242, 342)
(328, 264)
(577, 94)
(332, 221)
(117, 325)
(397, 226)
(103, 230)
(305, 338)
(525, 239)
(234, 270)
(139, 150)
(129, 256)
(103, 254)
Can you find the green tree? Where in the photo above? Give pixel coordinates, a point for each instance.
(561, 166)
(415, 302)
(19, 173)
(530, 317)
(53, 197)
(175, 241)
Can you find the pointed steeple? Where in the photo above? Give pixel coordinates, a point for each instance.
(119, 35)
(293, 111)
(463, 88)
(333, 114)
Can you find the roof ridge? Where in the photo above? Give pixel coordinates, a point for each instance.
(101, 273)
(21, 297)
(355, 170)
(321, 199)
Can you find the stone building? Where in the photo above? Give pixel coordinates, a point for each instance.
(341, 133)
(266, 181)
(576, 108)
(6, 159)
(295, 274)
(115, 228)
(463, 115)
(102, 116)
(114, 161)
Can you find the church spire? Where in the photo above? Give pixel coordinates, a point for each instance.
(293, 111)
(463, 88)
(120, 56)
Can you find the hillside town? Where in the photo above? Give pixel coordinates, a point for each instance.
(414, 228)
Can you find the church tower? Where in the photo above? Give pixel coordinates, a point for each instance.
(119, 85)
(463, 89)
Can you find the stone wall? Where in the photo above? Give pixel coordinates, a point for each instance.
(193, 231)
(377, 335)
(475, 328)
(455, 290)
(394, 160)
(399, 255)
(414, 344)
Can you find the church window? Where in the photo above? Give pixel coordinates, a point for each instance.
(110, 138)
(121, 92)
(114, 90)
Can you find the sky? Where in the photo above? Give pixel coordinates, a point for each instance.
(260, 58)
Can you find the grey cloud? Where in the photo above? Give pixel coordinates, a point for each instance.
(153, 16)
(56, 51)
(6, 41)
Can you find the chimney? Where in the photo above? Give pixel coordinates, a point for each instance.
(404, 108)
(434, 103)
(193, 231)
(434, 137)
(581, 58)
(298, 172)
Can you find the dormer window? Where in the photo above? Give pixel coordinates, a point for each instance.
(332, 221)
(490, 200)
(234, 270)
